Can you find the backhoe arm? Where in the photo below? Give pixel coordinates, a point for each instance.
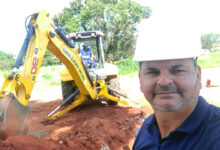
(17, 88)
(44, 38)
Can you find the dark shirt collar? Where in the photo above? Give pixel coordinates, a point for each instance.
(195, 119)
(192, 122)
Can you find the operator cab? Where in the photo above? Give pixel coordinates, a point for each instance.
(102, 70)
(90, 43)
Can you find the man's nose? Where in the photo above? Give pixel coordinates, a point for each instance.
(164, 79)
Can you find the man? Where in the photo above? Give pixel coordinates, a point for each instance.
(170, 80)
(86, 54)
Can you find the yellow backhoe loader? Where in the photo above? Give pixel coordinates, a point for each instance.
(79, 82)
(103, 70)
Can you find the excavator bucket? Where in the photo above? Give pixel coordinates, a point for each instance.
(13, 116)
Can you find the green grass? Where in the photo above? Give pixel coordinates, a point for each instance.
(210, 60)
(49, 76)
(216, 104)
(127, 66)
(3, 73)
(207, 60)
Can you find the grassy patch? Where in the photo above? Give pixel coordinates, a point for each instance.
(210, 59)
(49, 76)
(127, 66)
(216, 104)
(3, 73)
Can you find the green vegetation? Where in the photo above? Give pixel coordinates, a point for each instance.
(210, 60)
(50, 59)
(116, 19)
(3, 73)
(207, 60)
(208, 40)
(127, 66)
(7, 60)
(49, 75)
(216, 103)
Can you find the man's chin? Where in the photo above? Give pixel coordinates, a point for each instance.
(168, 108)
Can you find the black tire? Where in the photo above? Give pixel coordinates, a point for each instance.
(68, 87)
(115, 84)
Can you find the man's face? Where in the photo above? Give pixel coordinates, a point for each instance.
(85, 47)
(170, 84)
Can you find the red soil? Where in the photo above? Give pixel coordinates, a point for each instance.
(96, 126)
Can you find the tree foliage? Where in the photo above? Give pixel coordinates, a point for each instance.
(50, 59)
(208, 40)
(7, 60)
(117, 19)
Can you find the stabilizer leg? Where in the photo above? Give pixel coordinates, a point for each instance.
(52, 116)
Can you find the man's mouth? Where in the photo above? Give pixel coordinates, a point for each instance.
(165, 92)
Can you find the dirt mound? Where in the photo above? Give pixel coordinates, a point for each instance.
(94, 126)
(30, 143)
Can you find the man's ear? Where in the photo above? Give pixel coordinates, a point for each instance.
(199, 76)
(140, 81)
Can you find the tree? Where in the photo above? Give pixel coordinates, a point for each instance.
(208, 40)
(50, 59)
(7, 60)
(117, 19)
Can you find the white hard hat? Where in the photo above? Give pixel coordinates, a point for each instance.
(168, 35)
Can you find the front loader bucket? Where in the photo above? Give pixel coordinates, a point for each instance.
(13, 116)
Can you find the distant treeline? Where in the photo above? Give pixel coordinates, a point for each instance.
(6, 60)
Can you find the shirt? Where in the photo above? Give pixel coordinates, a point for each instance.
(200, 131)
(86, 54)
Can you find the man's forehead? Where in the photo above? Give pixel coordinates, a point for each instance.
(168, 63)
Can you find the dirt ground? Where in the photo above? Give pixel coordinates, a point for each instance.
(96, 126)
(91, 127)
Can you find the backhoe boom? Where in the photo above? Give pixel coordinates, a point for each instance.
(17, 88)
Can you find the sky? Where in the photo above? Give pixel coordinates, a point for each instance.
(14, 12)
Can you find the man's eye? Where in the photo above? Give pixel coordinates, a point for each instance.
(177, 71)
(152, 72)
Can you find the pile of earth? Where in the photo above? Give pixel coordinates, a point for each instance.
(95, 127)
